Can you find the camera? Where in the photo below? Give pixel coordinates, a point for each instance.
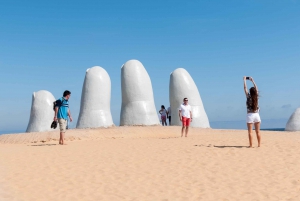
(247, 78)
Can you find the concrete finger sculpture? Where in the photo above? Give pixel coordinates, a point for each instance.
(182, 85)
(138, 106)
(42, 113)
(293, 123)
(95, 100)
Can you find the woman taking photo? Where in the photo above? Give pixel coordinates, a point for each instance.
(163, 113)
(252, 110)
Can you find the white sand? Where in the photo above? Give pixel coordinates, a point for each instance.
(149, 163)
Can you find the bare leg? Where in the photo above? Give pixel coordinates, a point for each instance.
(182, 130)
(257, 129)
(250, 134)
(186, 131)
(60, 138)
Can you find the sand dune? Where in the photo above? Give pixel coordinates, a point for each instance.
(149, 163)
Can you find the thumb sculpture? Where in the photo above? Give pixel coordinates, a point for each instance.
(138, 106)
(293, 123)
(95, 100)
(183, 86)
(42, 113)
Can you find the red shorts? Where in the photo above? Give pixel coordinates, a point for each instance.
(163, 118)
(186, 121)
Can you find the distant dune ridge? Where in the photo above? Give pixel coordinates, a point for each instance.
(149, 163)
(90, 134)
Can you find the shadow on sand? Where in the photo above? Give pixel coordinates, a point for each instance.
(38, 145)
(222, 147)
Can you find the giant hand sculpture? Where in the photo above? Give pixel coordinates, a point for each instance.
(293, 123)
(182, 85)
(42, 113)
(95, 100)
(138, 106)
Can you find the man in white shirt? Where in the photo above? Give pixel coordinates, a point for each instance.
(185, 115)
(169, 115)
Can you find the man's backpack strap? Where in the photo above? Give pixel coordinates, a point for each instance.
(55, 103)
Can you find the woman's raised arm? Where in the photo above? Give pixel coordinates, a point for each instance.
(245, 86)
(252, 80)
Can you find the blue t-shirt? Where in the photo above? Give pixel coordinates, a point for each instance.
(63, 108)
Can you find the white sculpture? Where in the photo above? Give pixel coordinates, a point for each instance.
(138, 106)
(293, 123)
(95, 100)
(183, 86)
(42, 113)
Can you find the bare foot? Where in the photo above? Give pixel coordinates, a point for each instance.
(250, 147)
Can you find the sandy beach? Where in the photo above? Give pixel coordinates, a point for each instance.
(149, 163)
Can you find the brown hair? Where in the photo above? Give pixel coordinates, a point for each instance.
(254, 97)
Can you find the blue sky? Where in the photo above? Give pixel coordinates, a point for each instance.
(49, 45)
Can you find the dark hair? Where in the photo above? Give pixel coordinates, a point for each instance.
(185, 98)
(66, 93)
(254, 97)
(163, 107)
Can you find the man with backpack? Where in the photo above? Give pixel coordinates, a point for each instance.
(62, 112)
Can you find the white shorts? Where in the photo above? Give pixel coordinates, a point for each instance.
(253, 118)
